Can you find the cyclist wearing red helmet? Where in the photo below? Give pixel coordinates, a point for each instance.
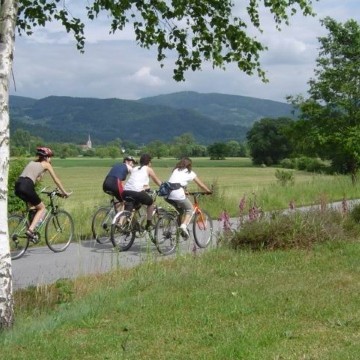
(25, 184)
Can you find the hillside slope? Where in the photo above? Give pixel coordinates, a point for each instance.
(209, 117)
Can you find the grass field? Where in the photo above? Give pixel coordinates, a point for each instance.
(233, 179)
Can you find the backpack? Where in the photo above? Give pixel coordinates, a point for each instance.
(167, 187)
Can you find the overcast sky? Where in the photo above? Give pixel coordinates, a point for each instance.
(113, 66)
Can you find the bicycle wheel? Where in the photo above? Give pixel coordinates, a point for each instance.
(101, 224)
(166, 234)
(59, 231)
(122, 232)
(18, 240)
(202, 229)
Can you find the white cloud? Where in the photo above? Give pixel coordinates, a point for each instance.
(144, 77)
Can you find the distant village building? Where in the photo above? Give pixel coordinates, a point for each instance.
(88, 145)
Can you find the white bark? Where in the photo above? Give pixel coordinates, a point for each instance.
(8, 13)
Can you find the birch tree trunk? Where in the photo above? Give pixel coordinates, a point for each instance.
(8, 14)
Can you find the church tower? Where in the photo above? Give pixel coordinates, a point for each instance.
(89, 143)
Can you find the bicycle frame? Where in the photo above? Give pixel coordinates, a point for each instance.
(130, 223)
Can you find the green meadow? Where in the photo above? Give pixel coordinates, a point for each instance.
(232, 179)
(293, 304)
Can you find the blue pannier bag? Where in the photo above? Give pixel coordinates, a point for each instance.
(167, 187)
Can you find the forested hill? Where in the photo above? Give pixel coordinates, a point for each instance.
(225, 109)
(209, 117)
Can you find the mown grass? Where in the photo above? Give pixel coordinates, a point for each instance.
(224, 304)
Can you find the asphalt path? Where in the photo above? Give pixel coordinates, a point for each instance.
(40, 265)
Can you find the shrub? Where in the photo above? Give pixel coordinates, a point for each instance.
(288, 163)
(16, 167)
(310, 164)
(285, 177)
(300, 230)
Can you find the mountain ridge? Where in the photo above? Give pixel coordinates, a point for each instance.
(209, 117)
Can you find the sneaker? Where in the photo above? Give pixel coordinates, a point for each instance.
(184, 231)
(32, 236)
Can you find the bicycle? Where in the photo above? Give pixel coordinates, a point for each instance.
(131, 223)
(58, 224)
(102, 219)
(167, 232)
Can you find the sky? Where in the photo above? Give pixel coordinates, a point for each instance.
(113, 66)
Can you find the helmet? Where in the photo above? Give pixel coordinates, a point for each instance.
(44, 151)
(130, 158)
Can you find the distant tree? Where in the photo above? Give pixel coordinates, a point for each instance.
(157, 149)
(199, 150)
(196, 31)
(23, 143)
(330, 116)
(183, 145)
(217, 151)
(114, 152)
(235, 149)
(268, 142)
(101, 152)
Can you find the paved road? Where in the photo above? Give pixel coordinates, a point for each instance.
(40, 265)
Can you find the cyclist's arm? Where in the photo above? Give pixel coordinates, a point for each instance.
(202, 185)
(153, 176)
(57, 181)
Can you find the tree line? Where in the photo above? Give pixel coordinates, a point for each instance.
(23, 144)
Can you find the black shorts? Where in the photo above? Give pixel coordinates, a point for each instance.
(113, 186)
(25, 190)
(137, 197)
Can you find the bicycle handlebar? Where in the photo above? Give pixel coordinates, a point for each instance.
(198, 193)
(55, 192)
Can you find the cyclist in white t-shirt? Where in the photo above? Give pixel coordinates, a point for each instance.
(138, 182)
(182, 174)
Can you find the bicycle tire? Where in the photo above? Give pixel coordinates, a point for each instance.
(18, 241)
(59, 231)
(166, 234)
(202, 229)
(101, 224)
(122, 231)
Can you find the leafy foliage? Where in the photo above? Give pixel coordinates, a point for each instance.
(14, 203)
(330, 125)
